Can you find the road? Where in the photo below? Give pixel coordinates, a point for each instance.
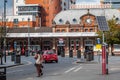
(28, 70)
(65, 69)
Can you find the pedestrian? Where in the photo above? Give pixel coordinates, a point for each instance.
(38, 63)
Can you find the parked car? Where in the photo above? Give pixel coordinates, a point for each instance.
(49, 56)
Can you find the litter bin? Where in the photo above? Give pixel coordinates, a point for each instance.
(71, 53)
(12, 57)
(78, 54)
(88, 56)
(92, 55)
(2, 73)
(18, 59)
(62, 54)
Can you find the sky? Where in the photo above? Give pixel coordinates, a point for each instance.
(87, 1)
(9, 5)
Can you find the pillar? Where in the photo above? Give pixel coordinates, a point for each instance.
(81, 44)
(54, 43)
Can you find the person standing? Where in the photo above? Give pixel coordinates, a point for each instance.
(38, 63)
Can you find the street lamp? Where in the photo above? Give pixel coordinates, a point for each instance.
(28, 36)
(5, 1)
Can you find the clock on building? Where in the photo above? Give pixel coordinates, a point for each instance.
(88, 20)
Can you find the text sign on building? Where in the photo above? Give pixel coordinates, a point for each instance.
(102, 23)
(61, 41)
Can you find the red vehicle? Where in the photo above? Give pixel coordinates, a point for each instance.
(49, 56)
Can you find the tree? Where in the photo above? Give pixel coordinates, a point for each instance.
(113, 35)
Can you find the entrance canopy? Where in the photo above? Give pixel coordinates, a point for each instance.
(49, 34)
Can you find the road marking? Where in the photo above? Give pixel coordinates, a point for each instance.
(15, 71)
(114, 69)
(70, 70)
(77, 69)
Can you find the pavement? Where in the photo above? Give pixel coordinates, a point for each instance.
(10, 63)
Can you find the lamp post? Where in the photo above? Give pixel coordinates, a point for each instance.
(28, 36)
(5, 1)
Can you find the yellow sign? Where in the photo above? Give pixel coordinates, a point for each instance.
(98, 46)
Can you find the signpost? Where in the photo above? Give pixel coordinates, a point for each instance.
(15, 48)
(98, 47)
(102, 26)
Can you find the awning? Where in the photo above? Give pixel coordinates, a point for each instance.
(61, 34)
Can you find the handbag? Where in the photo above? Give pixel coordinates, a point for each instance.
(38, 60)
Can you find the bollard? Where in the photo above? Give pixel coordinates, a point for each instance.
(18, 59)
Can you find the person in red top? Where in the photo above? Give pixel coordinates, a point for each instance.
(38, 63)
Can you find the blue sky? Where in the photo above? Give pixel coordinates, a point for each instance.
(87, 1)
(9, 5)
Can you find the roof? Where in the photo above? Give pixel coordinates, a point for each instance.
(31, 30)
(73, 16)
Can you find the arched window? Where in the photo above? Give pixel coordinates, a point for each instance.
(91, 30)
(117, 19)
(74, 20)
(60, 20)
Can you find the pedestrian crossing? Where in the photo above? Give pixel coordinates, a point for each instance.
(74, 69)
(77, 69)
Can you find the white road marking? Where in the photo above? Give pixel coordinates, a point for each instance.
(70, 70)
(15, 71)
(77, 69)
(113, 69)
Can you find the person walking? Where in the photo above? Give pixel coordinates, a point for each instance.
(38, 63)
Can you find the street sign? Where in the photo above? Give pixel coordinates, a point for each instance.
(98, 46)
(61, 41)
(98, 41)
(102, 23)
